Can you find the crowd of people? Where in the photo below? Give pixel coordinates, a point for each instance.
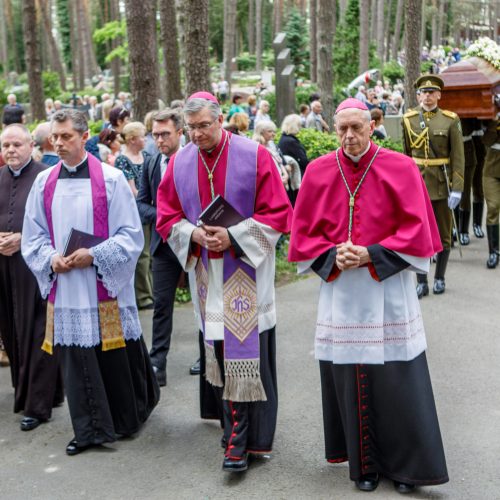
(94, 228)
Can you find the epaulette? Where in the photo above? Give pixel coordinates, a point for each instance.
(449, 114)
(409, 114)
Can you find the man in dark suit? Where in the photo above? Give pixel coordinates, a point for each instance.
(167, 132)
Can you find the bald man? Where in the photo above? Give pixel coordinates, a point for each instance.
(35, 374)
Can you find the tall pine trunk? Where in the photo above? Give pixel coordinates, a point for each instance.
(4, 54)
(326, 34)
(412, 27)
(313, 39)
(197, 42)
(380, 38)
(32, 57)
(143, 56)
(364, 42)
(229, 38)
(258, 34)
(170, 45)
(251, 26)
(114, 11)
(55, 59)
(397, 29)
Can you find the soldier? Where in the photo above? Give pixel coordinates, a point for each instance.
(491, 186)
(477, 180)
(433, 137)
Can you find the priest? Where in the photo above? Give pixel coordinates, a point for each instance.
(364, 223)
(36, 376)
(234, 272)
(91, 314)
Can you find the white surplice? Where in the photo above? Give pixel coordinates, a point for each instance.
(76, 321)
(258, 242)
(361, 320)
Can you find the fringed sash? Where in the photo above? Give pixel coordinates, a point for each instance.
(109, 314)
(241, 333)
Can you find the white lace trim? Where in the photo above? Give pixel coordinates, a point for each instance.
(39, 261)
(80, 327)
(109, 257)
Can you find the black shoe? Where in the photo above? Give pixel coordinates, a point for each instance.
(74, 449)
(30, 423)
(235, 465)
(161, 376)
(422, 290)
(492, 261)
(439, 286)
(478, 231)
(404, 487)
(368, 482)
(464, 239)
(196, 368)
(477, 218)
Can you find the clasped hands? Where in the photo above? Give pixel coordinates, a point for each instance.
(350, 256)
(79, 259)
(213, 238)
(10, 243)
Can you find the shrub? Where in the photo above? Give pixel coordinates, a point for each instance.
(51, 84)
(393, 71)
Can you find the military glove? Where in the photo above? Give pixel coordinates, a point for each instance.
(454, 199)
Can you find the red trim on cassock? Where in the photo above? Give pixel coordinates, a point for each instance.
(392, 207)
(373, 271)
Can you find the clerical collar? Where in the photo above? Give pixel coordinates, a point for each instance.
(215, 151)
(76, 168)
(356, 159)
(17, 173)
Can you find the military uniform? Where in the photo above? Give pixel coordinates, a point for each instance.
(434, 140)
(477, 180)
(491, 187)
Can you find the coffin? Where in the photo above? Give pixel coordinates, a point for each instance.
(469, 88)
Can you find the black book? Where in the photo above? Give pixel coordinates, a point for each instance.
(80, 239)
(220, 213)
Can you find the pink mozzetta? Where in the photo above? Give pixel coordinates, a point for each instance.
(350, 103)
(204, 95)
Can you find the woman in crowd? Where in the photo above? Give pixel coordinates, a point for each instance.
(378, 117)
(289, 143)
(109, 146)
(236, 106)
(263, 112)
(238, 124)
(150, 145)
(131, 162)
(252, 110)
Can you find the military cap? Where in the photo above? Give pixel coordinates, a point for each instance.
(429, 82)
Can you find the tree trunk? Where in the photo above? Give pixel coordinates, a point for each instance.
(440, 21)
(364, 42)
(387, 31)
(170, 44)
(76, 55)
(55, 59)
(94, 68)
(412, 27)
(32, 57)
(11, 30)
(88, 57)
(4, 54)
(229, 38)
(380, 32)
(114, 11)
(326, 34)
(143, 56)
(251, 26)
(423, 23)
(197, 41)
(313, 39)
(278, 16)
(373, 20)
(434, 22)
(397, 29)
(258, 34)
(342, 9)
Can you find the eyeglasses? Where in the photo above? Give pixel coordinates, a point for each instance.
(164, 135)
(199, 126)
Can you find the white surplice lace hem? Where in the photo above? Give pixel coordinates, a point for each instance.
(80, 327)
(40, 262)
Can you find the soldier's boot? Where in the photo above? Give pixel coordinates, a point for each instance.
(441, 263)
(477, 218)
(463, 226)
(422, 285)
(493, 245)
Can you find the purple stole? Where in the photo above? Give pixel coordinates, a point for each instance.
(241, 333)
(109, 314)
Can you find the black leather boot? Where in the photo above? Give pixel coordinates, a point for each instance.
(422, 285)
(463, 226)
(493, 246)
(477, 218)
(441, 263)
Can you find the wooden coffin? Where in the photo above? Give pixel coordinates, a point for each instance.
(469, 88)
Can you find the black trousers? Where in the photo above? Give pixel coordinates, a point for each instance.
(248, 427)
(110, 393)
(382, 418)
(166, 273)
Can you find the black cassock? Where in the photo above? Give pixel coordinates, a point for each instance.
(36, 375)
